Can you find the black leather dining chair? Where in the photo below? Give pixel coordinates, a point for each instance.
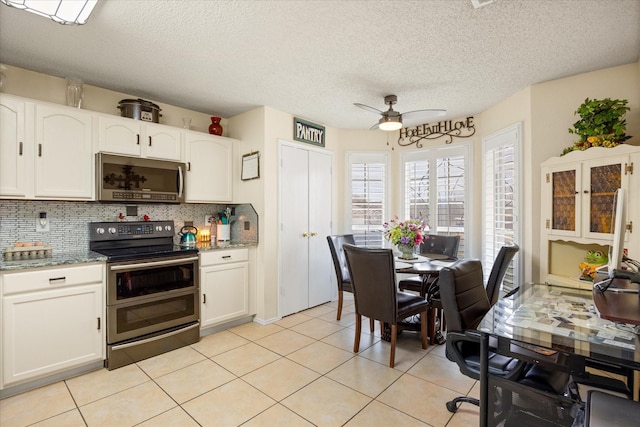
(498, 271)
(433, 244)
(437, 244)
(373, 279)
(465, 303)
(340, 265)
(342, 271)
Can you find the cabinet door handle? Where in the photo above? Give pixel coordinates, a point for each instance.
(226, 257)
(20, 149)
(305, 234)
(39, 150)
(204, 298)
(313, 234)
(149, 141)
(137, 139)
(57, 279)
(586, 191)
(98, 323)
(189, 166)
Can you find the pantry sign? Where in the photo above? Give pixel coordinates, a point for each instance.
(308, 132)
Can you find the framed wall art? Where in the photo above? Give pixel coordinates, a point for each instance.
(250, 166)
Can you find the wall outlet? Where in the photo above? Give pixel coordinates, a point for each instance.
(208, 219)
(247, 225)
(42, 223)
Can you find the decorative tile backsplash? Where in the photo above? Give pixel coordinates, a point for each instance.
(68, 221)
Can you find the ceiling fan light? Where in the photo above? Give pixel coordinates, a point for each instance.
(390, 123)
(67, 12)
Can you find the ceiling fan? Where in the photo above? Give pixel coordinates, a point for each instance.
(392, 120)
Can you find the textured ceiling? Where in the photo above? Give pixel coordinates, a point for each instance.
(314, 59)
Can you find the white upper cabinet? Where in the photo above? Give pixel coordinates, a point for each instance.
(162, 142)
(46, 151)
(13, 154)
(121, 135)
(63, 153)
(209, 168)
(579, 190)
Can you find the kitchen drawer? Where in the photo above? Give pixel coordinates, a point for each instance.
(49, 278)
(223, 256)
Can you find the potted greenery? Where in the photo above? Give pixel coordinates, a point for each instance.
(601, 124)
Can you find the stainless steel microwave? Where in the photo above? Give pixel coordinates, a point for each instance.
(136, 180)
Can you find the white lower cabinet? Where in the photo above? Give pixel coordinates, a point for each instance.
(52, 320)
(224, 286)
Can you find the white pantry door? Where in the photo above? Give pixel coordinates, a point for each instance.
(305, 223)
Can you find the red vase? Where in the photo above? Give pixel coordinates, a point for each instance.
(215, 128)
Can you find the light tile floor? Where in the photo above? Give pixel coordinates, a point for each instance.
(299, 371)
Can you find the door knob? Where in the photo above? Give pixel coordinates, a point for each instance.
(313, 233)
(305, 234)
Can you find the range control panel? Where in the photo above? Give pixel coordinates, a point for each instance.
(101, 231)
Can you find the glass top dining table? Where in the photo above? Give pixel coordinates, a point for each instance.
(423, 264)
(563, 319)
(541, 323)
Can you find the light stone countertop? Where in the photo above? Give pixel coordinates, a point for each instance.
(79, 257)
(58, 258)
(204, 247)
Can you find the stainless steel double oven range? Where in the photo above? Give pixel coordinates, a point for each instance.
(152, 289)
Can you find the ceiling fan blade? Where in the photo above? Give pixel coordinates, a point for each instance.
(375, 127)
(422, 114)
(366, 107)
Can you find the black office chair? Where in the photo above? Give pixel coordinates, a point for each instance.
(373, 279)
(465, 303)
(498, 271)
(342, 271)
(433, 244)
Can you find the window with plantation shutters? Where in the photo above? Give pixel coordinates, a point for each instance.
(367, 197)
(501, 202)
(434, 189)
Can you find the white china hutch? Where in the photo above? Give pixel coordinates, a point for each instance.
(577, 209)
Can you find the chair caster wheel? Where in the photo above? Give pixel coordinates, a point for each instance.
(452, 407)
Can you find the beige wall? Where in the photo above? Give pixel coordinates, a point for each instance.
(261, 130)
(546, 111)
(353, 140)
(30, 84)
(515, 109)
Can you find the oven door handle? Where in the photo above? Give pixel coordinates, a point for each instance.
(159, 337)
(152, 264)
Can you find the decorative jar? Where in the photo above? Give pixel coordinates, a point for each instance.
(215, 128)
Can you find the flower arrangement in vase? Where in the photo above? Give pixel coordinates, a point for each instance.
(406, 235)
